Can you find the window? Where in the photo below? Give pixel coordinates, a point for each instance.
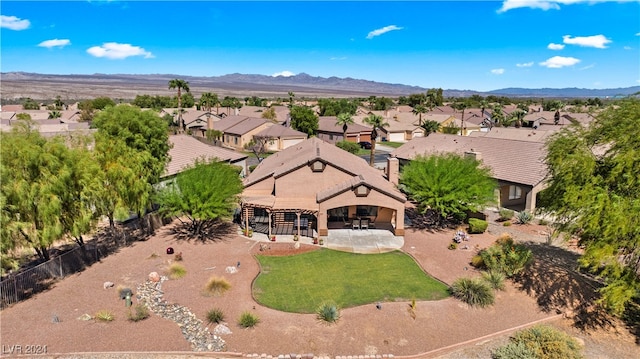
(290, 216)
(515, 192)
(260, 212)
(330, 137)
(362, 191)
(317, 166)
(235, 140)
(370, 211)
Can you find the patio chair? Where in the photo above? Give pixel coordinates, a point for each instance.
(364, 224)
(355, 224)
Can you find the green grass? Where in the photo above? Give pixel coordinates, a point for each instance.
(301, 282)
(392, 144)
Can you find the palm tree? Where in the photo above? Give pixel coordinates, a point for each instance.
(180, 85)
(54, 114)
(461, 106)
(419, 110)
(376, 122)
(429, 127)
(208, 100)
(291, 96)
(345, 120)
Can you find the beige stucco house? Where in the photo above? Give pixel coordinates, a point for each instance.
(314, 187)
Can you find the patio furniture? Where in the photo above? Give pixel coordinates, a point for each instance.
(355, 224)
(364, 223)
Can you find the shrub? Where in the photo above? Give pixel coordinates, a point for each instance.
(350, 147)
(543, 222)
(453, 246)
(328, 311)
(177, 271)
(105, 315)
(477, 262)
(524, 217)
(494, 279)
(216, 286)
(477, 225)
(506, 257)
(506, 224)
(473, 292)
(139, 313)
(178, 257)
(215, 315)
(546, 342)
(504, 239)
(505, 214)
(512, 351)
(248, 320)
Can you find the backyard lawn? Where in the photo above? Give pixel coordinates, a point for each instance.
(300, 283)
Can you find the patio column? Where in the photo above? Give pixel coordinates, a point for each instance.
(269, 224)
(298, 216)
(246, 217)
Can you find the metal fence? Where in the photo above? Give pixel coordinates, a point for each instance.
(24, 284)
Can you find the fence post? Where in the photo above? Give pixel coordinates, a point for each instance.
(15, 289)
(60, 266)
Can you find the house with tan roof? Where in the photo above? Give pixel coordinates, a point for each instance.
(517, 134)
(238, 131)
(517, 166)
(278, 137)
(186, 150)
(314, 187)
(329, 131)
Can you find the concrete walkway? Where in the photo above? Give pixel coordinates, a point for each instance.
(348, 240)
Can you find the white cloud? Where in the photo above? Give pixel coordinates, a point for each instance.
(116, 51)
(557, 62)
(525, 64)
(553, 46)
(638, 34)
(543, 4)
(284, 74)
(587, 67)
(337, 58)
(383, 30)
(497, 71)
(14, 23)
(597, 41)
(55, 43)
(628, 48)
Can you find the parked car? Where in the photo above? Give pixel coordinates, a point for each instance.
(364, 144)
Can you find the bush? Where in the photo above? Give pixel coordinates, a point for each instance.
(506, 224)
(505, 214)
(248, 320)
(477, 225)
(546, 342)
(524, 217)
(177, 271)
(215, 315)
(140, 313)
(328, 312)
(506, 257)
(512, 351)
(216, 286)
(105, 316)
(473, 291)
(350, 147)
(453, 246)
(494, 279)
(543, 222)
(477, 262)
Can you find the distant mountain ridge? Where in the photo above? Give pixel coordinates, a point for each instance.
(16, 85)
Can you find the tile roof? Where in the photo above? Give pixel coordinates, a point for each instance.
(519, 134)
(328, 124)
(246, 125)
(312, 149)
(509, 160)
(279, 131)
(186, 150)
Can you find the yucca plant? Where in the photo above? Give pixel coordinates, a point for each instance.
(216, 286)
(105, 315)
(473, 291)
(524, 217)
(248, 320)
(177, 271)
(328, 312)
(215, 315)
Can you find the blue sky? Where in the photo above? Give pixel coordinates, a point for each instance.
(476, 45)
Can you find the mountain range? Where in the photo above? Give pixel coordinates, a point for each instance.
(16, 85)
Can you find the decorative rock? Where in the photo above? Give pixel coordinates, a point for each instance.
(231, 270)
(106, 285)
(221, 329)
(154, 277)
(85, 317)
(296, 245)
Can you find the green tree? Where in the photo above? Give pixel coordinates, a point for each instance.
(430, 126)
(179, 85)
(54, 114)
(461, 106)
(448, 184)
(594, 191)
(204, 194)
(30, 104)
(100, 103)
(23, 116)
(32, 174)
(270, 114)
(208, 100)
(419, 110)
(291, 99)
(377, 122)
(304, 120)
(344, 120)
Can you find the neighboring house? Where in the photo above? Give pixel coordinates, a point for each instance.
(186, 150)
(314, 187)
(278, 137)
(238, 131)
(517, 165)
(517, 134)
(330, 132)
